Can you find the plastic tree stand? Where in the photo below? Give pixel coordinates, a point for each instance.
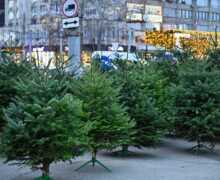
(198, 148)
(45, 176)
(124, 151)
(93, 161)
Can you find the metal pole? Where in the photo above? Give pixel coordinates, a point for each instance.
(23, 47)
(61, 47)
(129, 40)
(0, 50)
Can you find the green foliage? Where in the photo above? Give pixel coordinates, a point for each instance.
(111, 126)
(10, 71)
(169, 70)
(196, 102)
(43, 123)
(213, 52)
(183, 55)
(141, 98)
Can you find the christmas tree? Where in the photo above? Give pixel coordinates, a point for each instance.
(139, 97)
(43, 123)
(111, 127)
(9, 71)
(196, 103)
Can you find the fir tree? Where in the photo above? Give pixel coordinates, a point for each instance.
(111, 125)
(9, 72)
(196, 103)
(213, 51)
(43, 123)
(139, 97)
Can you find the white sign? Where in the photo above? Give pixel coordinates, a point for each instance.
(70, 22)
(70, 8)
(178, 35)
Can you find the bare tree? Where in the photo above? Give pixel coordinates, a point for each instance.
(105, 17)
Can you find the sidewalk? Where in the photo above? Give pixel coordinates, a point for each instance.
(169, 161)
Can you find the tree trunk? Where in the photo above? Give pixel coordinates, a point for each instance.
(94, 157)
(46, 166)
(124, 148)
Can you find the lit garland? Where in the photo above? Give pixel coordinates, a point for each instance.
(198, 42)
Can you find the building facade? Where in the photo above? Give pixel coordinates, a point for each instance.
(2, 14)
(34, 23)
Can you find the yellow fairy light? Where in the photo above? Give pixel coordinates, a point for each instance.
(198, 42)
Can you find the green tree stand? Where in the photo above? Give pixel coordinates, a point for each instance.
(200, 146)
(124, 151)
(45, 176)
(93, 161)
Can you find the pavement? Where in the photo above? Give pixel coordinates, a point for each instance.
(170, 160)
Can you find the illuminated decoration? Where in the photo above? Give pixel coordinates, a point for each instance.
(139, 13)
(137, 17)
(195, 41)
(12, 53)
(153, 14)
(134, 12)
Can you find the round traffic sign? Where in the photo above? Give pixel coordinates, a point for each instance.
(70, 8)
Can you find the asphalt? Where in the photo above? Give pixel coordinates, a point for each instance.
(171, 160)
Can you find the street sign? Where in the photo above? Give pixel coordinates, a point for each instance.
(106, 63)
(70, 8)
(70, 22)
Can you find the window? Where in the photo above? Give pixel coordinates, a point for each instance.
(33, 10)
(55, 8)
(43, 20)
(18, 35)
(56, 20)
(42, 9)
(10, 23)
(169, 26)
(171, 1)
(202, 15)
(34, 21)
(18, 14)
(186, 14)
(86, 32)
(169, 12)
(11, 4)
(202, 28)
(11, 15)
(215, 3)
(202, 3)
(185, 27)
(45, 33)
(216, 17)
(90, 12)
(186, 1)
(37, 34)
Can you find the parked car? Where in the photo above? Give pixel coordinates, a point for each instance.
(132, 57)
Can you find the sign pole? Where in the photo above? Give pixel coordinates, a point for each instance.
(0, 51)
(74, 53)
(70, 10)
(61, 47)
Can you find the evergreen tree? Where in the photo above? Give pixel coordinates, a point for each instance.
(43, 123)
(111, 127)
(196, 103)
(213, 52)
(9, 72)
(140, 101)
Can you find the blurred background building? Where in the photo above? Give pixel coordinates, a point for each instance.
(29, 24)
